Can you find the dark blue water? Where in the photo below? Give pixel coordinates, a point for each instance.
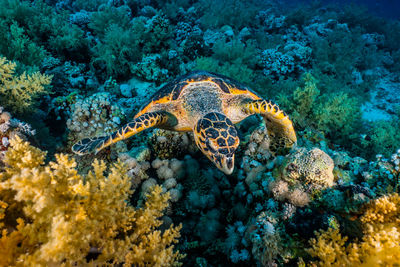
(384, 8)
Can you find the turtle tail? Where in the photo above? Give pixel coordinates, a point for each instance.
(90, 145)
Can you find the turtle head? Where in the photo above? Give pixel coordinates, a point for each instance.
(217, 138)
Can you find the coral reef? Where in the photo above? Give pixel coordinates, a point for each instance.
(76, 69)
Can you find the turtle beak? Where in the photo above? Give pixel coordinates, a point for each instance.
(227, 164)
(222, 157)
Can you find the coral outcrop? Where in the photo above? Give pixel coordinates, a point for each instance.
(93, 116)
(313, 167)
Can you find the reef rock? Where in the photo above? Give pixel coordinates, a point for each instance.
(313, 167)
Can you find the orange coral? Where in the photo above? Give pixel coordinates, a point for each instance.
(69, 216)
(380, 245)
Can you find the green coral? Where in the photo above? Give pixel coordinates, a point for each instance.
(338, 55)
(124, 42)
(233, 58)
(383, 137)
(230, 51)
(117, 51)
(17, 46)
(234, 13)
(335, 114)
(234, 70)
(109, 15)
(44, 26)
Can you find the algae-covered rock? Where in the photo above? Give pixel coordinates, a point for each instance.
(313, 167)
(168, 144)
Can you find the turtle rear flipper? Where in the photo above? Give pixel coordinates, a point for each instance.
(144, 121)
(216, 136)
(280, 127)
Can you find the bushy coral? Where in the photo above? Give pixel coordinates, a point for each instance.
(235, 70)
(336, 114)
(19, 92)
(382, 137)
(117, 50)
(67, 217)
(126, 42)
(227, 12)
(337, 111)
(109, 15)
(17, 46)
(233, 58)
(379, 245)
(44, 28)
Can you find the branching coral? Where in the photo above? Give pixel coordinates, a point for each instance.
(335, 114)
(67, 217)
(19, 92)
(117, 50)
(265, 239)
(231, 58)
(17, 46)
(235, 69)
(380, 245)
(43, 26)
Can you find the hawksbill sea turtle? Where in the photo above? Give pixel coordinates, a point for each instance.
(209, 105)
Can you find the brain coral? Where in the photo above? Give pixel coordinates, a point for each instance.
(313, 167)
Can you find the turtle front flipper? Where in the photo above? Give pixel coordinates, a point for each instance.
(279, 126)
(144, 121)
(216, 136)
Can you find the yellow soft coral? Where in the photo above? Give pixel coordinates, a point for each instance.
(19, 92)
(383, 210)
(328, 247)
(69, 217)
(380, 245)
